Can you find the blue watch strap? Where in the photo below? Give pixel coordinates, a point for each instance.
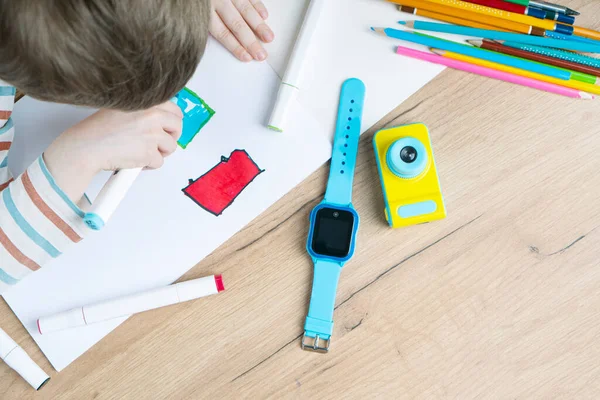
(319, 322)
(345, 143)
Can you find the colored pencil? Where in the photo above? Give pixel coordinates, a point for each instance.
(586, 87)
(471, 16)
(571, 38)
(558, 17)
(588, 74)
(463, 6)
(511, 7)
(446, 18)
(560, 54)
(544, 5)
(520, 2)
(431, 41)
(491, 34)
(585, 32)
(494, 74)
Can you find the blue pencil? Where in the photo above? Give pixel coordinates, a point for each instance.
(560, 54)
(498, 35)
(464, 49)
(558, 17)
(573, 38)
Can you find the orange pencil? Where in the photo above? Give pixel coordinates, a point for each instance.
(505, 24)
(446, 18)
(588, 33)
(461, 7)
(464, 22)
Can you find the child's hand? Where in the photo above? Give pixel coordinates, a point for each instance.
(111, 140)
(237, 24)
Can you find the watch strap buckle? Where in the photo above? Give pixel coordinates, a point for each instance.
(316, 343)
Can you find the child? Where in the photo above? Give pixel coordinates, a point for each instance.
(126, 57)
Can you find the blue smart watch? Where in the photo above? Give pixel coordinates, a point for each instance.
(334, 222)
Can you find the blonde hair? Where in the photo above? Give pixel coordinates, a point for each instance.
(120, 54)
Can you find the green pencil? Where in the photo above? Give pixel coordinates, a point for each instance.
(544, 5)
(520, 2)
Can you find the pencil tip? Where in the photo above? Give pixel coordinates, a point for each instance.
(402, 22)
(476, 43)
(572, 12)
(381, 31)
(436, 51)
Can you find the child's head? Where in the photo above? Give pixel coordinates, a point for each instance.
(121, 54)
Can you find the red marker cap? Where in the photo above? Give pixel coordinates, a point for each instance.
(219, 282)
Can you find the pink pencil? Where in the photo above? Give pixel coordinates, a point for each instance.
(492, 73)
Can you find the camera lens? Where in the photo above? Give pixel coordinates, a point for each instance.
(408, 154)
(336, 214)
(407, 158)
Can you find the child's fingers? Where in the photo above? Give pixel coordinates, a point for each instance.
(166, 144)
(173, 119)
(156, 161)
(170, 122)
(172, 108)
(226, 38)
(253, 18)
(236, 24)
(260, 7)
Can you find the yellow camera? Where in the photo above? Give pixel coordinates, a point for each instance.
(411, 188)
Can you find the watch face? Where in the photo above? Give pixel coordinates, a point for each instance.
(332, 235)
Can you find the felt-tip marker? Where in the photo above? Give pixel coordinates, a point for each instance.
(16, 358)
(131, 304)
(292, 79)
(113, 192)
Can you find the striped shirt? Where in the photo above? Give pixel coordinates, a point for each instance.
(37, 220)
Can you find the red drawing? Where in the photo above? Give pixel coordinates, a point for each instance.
(219, 187)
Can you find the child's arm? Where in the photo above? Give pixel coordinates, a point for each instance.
(36, 220)
(237, 24)
(7, 96)
(39, 215)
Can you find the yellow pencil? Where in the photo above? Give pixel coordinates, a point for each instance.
(473, 24)
(486, 11)
(505, 24)
(587, 33)
(586, 87)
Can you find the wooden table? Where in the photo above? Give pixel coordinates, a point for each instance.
(500, 300)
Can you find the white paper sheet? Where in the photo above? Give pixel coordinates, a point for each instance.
(158, 233)
(345, 47)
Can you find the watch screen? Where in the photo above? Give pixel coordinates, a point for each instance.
(333, 232)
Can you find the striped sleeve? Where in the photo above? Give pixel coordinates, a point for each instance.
(7, 97)
(38, 221)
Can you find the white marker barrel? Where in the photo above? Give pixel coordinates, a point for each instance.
(132, 304)
(290, 84)
(16, 358)
(110, 197)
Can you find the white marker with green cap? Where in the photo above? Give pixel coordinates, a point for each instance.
(290, 85)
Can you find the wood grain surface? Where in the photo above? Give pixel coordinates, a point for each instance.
(501, 300)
